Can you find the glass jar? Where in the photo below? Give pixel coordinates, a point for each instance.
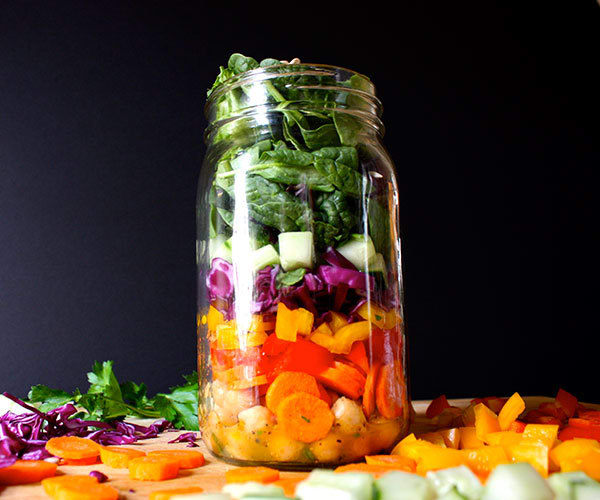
(301, 350)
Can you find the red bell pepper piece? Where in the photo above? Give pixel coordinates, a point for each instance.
(571, 432)
(553, 410)
(437, 406)
(224, 359)
(517, 426)
(593, 415)
(567, 402)
(584, 423)
(492, 402)
(274, 346)
(358, 356)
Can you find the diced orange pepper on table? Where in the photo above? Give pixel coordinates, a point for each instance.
(451, 437)
(486, 421)
(534, 453)
(434, 438)
(511, 411)
(483, 460)
(437, 406)
(542, 433)
(469, 439)
(503, 438)
(436, 457)
(569, 455)
(393, 462)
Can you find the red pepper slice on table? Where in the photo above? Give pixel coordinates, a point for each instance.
(437, 406)
(567, 402)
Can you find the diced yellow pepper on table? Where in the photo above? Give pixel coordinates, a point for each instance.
(434, 438)
(511, 411)
(469, 439)
(486, 421)
(503, 438)
(541, 433)
(534, 453)
(569, 455)
(483, 460)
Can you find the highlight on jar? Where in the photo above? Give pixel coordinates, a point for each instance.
(301, 352)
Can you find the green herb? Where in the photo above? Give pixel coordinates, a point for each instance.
(378, 317)
(290, 278)
(309, 455)
(307, 420)
(106, 399)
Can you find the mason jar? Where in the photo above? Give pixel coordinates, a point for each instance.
(301, 351)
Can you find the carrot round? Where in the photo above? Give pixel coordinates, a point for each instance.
(375, 470)
(26, 471)
(78, 490)
(344, 379)
(368, 401)
(188, 459)
(52, 484)
(304, 417)
(258, 474)
(393, 462)
(118, 457)
(389, 392)
(287, 383)
(167, 494)
(72, 447)
(79, 461)
(153, 468)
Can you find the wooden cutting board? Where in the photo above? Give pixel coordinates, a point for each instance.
(210, 477)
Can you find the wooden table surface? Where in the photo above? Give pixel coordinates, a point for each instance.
(210, 477)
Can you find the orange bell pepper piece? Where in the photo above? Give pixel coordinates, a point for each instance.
(290, 323)
(511, 411)
(214, 318)
(535, 453)
(358, 355)
(304, 321)
(434, 438)
(591, 464)
(436, 457)
(400, 447)
(228, 337)
(541, 433)
(324, 329)
(483, 460)
(451, 437)
(469, 439)
(338, 320)
(393, 462)
(342, 340)
(437, 406)
(569, 455)
(503, 438)
(486, 421)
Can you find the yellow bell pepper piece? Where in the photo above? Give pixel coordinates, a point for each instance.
(228, 337)
(342, 340)
(591, 464)
(536, 454)
(408, 439)
(511, 411)
(436, 457)
(290, 323)
(239, 385)
(324, 329)
(469, 439)
(338, 320)
(541, 433)
(378, 316)
(434, 438)
(214, 318)
(483, 460)
(503, 438)
(451, 437)
(486, 421)
(258, 324)
(569, 455)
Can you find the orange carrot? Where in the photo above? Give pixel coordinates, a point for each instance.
(153, 468)
(368, 401)
(304, 417)
(344, 379)
(72, 447)
(188, 459)
(81, 491)
(79, 461)
(118, 457)
(375, 470)
(289, 483)
(392, 462)
(258, 474)
(167, 494)
(358, 355)
(389, 393)
(288, 383)
(26, 471)
(51, 485)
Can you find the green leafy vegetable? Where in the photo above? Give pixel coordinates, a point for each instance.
(290, 278)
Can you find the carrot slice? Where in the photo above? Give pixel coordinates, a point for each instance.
(26, 471)
(81, 491)
(153, 468)
(389, 392)
(287, 383)
(368, 401)
(289, 483)
(118, 457)
(375, 470)
(52, 484)
(304, 417)
(168, 494)
(344, 379)
(258, 474)
(188, 459)
(79, 461)
(72, 447)
(392, 462)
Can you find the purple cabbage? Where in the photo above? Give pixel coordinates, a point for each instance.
(313, 282)
(101, 478)
(25, 436)
(187, 437)
(336, 259)
(334, 276)
(219, 280)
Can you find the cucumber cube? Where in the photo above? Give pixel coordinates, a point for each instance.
(359, 250)
(518, 481)
(586, 491)
(459, 478)
(564, 483)
(328, 485)
(253, 489)
(453, 494)
(219, 247)
(296, 250)
(263, 257)
(398, 485)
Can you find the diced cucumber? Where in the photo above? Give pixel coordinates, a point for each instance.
(263, 257)
(564, 483)
(518, 481)
(398, 485)
(254, 489)
(8, 405)
(220, 247)
(460, 478)
(296, 249)
(359, 250)
(587, 491)
(328, 485)
(378, 269)
(453, 494)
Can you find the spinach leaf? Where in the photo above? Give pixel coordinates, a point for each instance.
(325, 135)
(325, 235)
(257, 232)
(239, 63)
(290, 278)
(294, 175)
(347, 127)
(379, 226)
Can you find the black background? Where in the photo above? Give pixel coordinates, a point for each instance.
(490, 112)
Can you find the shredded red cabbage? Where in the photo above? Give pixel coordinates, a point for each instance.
(219, 280)
(334, 276)
(101, 478)
(25, 436)
(187, 437)
(336, 259)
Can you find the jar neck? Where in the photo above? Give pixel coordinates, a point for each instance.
(304, 95)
